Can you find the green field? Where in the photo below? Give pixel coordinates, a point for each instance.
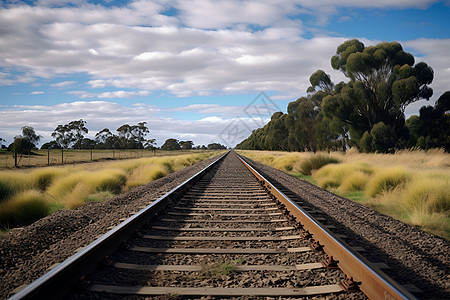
(411, 186)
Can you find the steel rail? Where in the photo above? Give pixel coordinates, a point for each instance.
(373, 282)
(56, 283)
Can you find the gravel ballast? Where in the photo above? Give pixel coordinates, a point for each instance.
(414, 256)
(27, 253)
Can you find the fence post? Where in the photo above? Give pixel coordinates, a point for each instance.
(15, 158)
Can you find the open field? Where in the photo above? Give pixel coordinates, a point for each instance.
(54, 157)
(28, 195)
(412, 186)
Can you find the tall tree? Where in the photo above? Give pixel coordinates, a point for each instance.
(186, 145)
(78, 129)
(63, 136)
(383, 81)
(171, 144)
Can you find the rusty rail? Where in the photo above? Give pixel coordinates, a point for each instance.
(54, 284)
(371, 280)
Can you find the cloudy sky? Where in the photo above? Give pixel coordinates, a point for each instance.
(200, 70)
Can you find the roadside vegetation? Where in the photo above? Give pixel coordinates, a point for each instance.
(411, 186)
(28, 195)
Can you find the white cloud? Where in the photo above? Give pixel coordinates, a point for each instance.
(110, 95)
(101, 114)
(36, 93)
(63, 84)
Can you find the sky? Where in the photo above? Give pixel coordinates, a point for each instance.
(200, 70)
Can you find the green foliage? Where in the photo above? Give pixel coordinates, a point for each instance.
(171, 144)
(316, 162)
(432, 128)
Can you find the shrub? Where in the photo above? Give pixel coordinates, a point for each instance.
(437, 223)
(45, 176)
(145, 174)
(23, 209)
(386, 180)
(427, 193)
(108, 181)
(286, 162)
(77, 196)
(12, 183)
(316, 162)
(331, 176)
(355, 181)
(64, 185)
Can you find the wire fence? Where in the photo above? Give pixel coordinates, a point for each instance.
(42, 158)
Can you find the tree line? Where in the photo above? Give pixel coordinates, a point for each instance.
(72, 136)
(367, 112)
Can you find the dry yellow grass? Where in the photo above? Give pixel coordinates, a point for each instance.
(71, 186)
(412, 186)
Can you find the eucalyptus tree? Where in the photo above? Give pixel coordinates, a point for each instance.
(383, 81)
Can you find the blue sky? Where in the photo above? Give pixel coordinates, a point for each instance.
(190, 68)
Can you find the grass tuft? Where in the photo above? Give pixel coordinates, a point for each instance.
(12, 183)
(356, 181)
(146, 173)
(428, 193)
(331, 176)
(386, 180)
(45, 176)
(316, 162)
(23, 209)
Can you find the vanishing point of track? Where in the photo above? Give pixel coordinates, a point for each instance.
(225, 232)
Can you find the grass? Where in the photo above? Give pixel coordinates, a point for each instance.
(411, 186)
(27, 195)
(316, 162)
(73, 156)
(385, 180)
(23, 209)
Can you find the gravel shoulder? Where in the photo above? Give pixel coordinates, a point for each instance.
(414, 256)
(27, 253)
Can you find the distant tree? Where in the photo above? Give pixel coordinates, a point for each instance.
(78, 129)
(29, 134)
(171, 144)
(216, 146)
(63, 136)
(186, 145)
(85, 143)
(51, 145)
(150, 144)
(1, 142)
(132, 137)
(23, 144)
(139, 132)
(102, 137)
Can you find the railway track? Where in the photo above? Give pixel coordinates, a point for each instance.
(226, 232)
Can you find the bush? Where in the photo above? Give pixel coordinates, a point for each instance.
(145, 174)
(428, 193)
(331, 176)
(23, 209)
(386, 180)
(356, 181)
(45, 176)
(12, 183)
(316, 162)
(108, 181)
